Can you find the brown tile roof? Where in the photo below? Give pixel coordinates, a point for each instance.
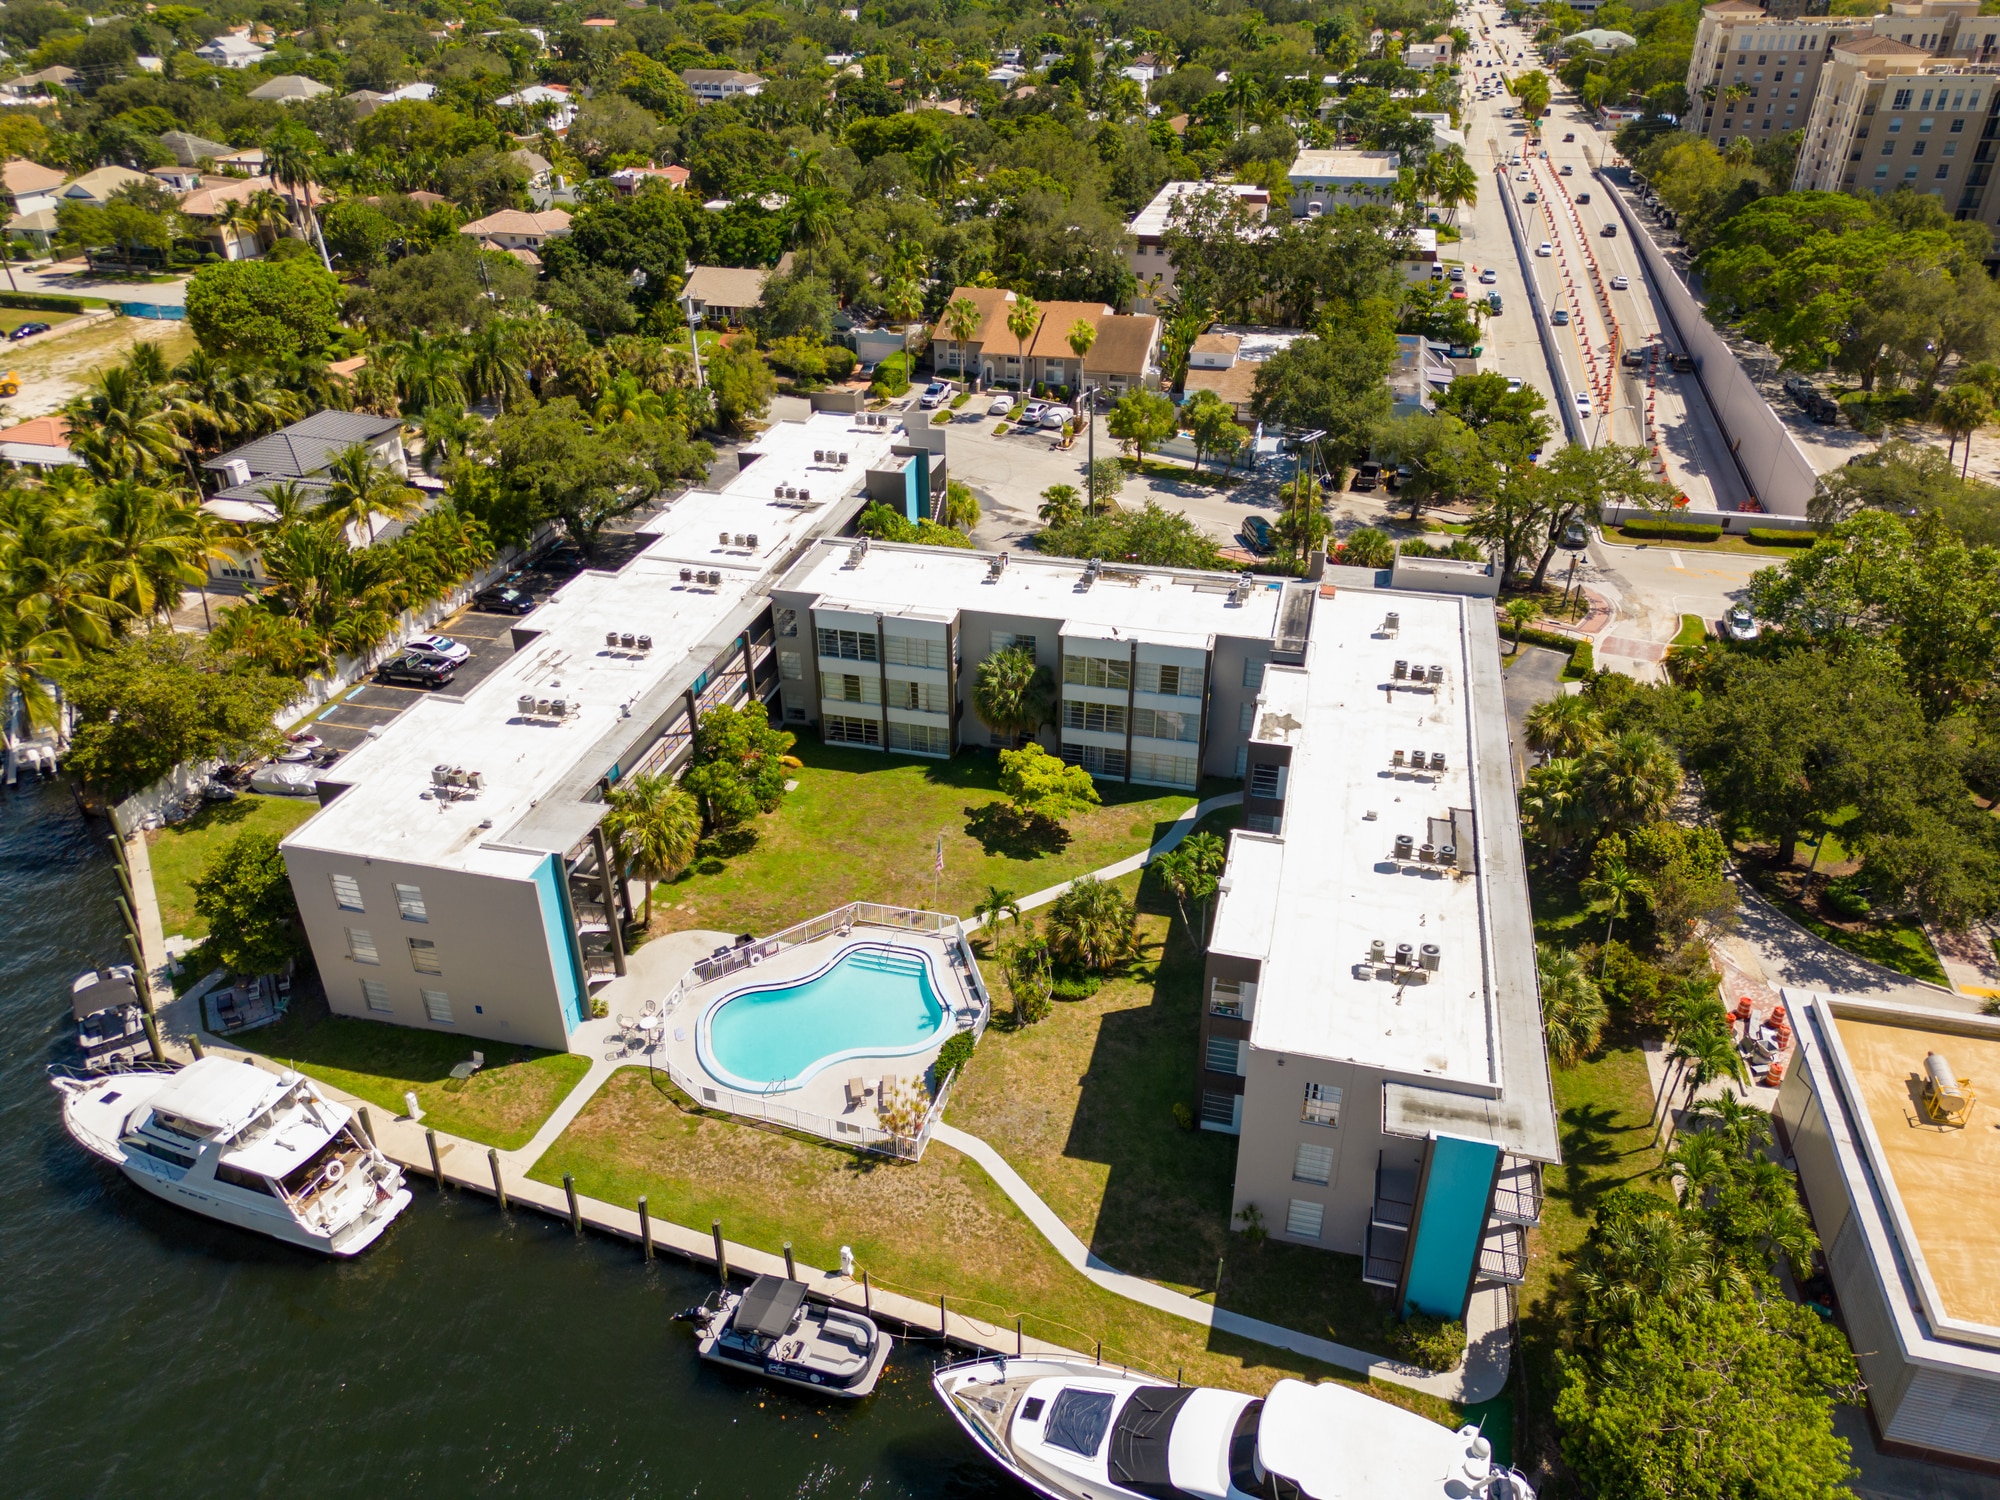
(726, 286)
(1880, 46)
(1051, 340)
(993, 303)
(1216, 343)
(207, 201)
(29, 177)
(1123, 342)
(513, 221)
(1233, 385)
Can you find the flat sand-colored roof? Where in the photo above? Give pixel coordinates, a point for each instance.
(1944, 1176)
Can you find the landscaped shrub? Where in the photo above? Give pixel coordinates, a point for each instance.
(1464, 549)
(45, 303)
(1074, 986)
(1847, 899)
(953, 1055)
(1582, 661)
(1430, 1342)
(892, 376)
(1671, 531)
(1772, 536)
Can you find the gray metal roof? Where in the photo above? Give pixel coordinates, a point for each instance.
(190, 149)
(306, 447)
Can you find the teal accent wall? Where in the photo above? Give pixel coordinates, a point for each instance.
(916, 488)
(558, 923)
(1450, 1219)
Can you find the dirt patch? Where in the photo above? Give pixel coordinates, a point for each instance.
(54, 372)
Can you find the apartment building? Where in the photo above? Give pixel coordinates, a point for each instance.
(1322, 179)
(1123, 354)
(1154, 669)
(1371, 1027)
(456, 876)
(1755, 74)
(1145, 247)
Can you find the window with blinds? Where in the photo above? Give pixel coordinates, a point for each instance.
(842, 731)
(1100, 718)
(1225, 1055)
(437, 1006)
(1095, 759)
(346, 893)
(1163, 770)
(924, 697)
(1097, 672)
(852, 687)
(361, 946)
(920, 739)
(1005, 641)
(1169, 680)
(847, 645)
(1312, 1164)
(1267, 782)
(410, 902)
(424, 956)
(1305, 1219)
(1156, 724)
(1322, 1106)
(375, 995)
(1253, 674)
(791, 665)
(914, 651)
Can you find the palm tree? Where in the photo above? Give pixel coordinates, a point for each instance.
(1242, 92)
(1612, 891)
(1573, 1009)
(1743, 1126)
(940, 163)
(448, 432)
(1192, 870)
(1631, 1264)
(961, 506)
(1565, 726)
(657, 823)
(1012, 694)
(1634, 778)
(1080, 337)
(1092, 926)
(290, 502)
(1960, 412)
(808, 167)
(1555, 805)
(291, 152)
(1457, 184)
(815, 219)
(903, 303)
(1023, 318)
(961, 321)
(1700, 1162)
(361, 489)
(33, 657)
(493, 364)
(1061, 506)
(1519, 612)
(1705, 1053)
(626, 400)
(997, 906)
(426, 373)
(120, 426)
(147, 554)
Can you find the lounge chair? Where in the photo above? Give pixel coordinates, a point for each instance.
(857, 1090)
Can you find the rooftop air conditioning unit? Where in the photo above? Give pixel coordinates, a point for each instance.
(474, 779)
(722, 538)
(526, 704)
(819, 455)
(1377, 950)
(236, 471)
(805, 494)
(440, 775)
(1437, 760)
(1406, 956)
(778, 492)
(750, 540)
(1404, 844)
(559, 707)
(645, 643)
(741, 540)
(628, 640)
(611, 638)
(1402, 670)
(544, 707)
(1392, 623)
(1429, 957)
(687, 575)
(1437, 674)
(843, 458)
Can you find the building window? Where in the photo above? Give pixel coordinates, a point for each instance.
(437, 1006)
(1094, 718)
(361, 946)
(1164, 770)
(1242, 758)
(347, 893)
(1901, 101)
(1226, 997)
(1267, 782)
(1005, 641)
(1095, 759)
(1322, 1106)
(1253, 674)
(375, 995)
(1924, 126)
(1312, 1164)
(843, 731)
(1218, 1109)
(1097, 672)
(922, 697)
(920, 739)
(791, 665)
(788, 622)
(1225, 1055)
(1917, 148)
(1247, 717)
(1880, 173)
(914, 651)
(1261, 822)
(1153, 724)
(410, 902)
(847, 645)
(424, 956)
(1958, 126)
(1304, 1219)
(847, 687)
(1943, 171)
(1169, 680)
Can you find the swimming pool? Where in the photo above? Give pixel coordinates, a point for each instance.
(871, 1000)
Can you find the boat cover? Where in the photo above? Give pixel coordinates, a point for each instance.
(1138, 1458)
(768, 1308)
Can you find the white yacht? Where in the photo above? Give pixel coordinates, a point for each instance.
(1072, 1430)
(263, 1151)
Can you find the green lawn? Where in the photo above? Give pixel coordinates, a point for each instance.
(939, 1225)
(1693, 631)
(864, 827)
(13, 317)
(503, 1104)
(180, 853)
(1896, 943)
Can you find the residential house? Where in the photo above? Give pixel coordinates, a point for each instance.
(511, 229)
(301, 454)
(192, 150)
(29, 85)
(207, 205)
(289, 88)
(27, 185)
(1323, 179)
(1226, 359)
(628, 180)
(1426, 56)
(534, 164)
(248, 162)
(96, 187)
(550, 99)
(367, 101)
(1125, 355)
(1145, 247)
(39, 443)
(1420, 372)
(722, 294)
(1128, 359)
(233, 49)
(709, 85)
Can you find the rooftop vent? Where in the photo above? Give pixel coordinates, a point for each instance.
(687, 575)
(628, 640)
(1436, 674)
(996, 567)
(236, 471)
(645, 643)
(855, 553)
(722, 538)
(1404, 845)
(750, 539)
(1437, 760)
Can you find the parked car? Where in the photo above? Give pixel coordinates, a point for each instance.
(1458, 294)
(28, 330)
(1493, 303)
(1575, 537)
(1488, 276)
(1545, 249)
(1053, 417)
(1740, 625)
(506, 600)
(443, 647)
(1031, 414)
(1367, 476)
(935, 395)
(1002, 405)
(1609, 231)
(1583, 197)
(1513, 384)
(1560, 317)
(563, 559)
(1619, 283)
(418, 671)
(1256, 533)
(1456, 273)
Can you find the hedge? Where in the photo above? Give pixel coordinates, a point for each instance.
(1582, 662)
(1582, 659)
(1672, 531)
(43, 302)
(1772, 536)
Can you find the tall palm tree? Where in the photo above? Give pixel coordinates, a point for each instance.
(493, 363)
(1243, 92)
(1565, 726)
(120, 426)
(447, 433)
(146, 552)
(1555, 804)
(815, 219)
(1023, 318)
(961, 321)
(997, 906)
(940, 163)
(290, 153)
(426, 371)
(33, 658)
(360, 489)
(1706, 1054)
(1573, 1009)
(1700, 1162)
(626, 400)
(1634, 778)
(903, 303)
(657, 823)
(1012, 694)
(1612, 890)
(1080, 337)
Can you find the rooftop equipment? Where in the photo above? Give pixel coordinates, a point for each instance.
(1401, 671)
(645, 643)
(1428, 957)
(1404, 845)
(1948, 1099)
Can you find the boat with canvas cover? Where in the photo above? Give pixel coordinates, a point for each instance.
(110, 1024)
(776, 1331)
(261, 1150)
(1072, 1430)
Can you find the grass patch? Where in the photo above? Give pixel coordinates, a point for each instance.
(864, 827)
(1693, 631)
(939, 1225)
(1895, 943)
(503, 1104)
(1082, 1106)
(1726, 543)
(181, 852)
(12, 318)
(1154, 468)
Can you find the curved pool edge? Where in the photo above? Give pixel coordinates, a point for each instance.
(705, 1055)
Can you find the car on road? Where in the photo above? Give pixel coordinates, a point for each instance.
(1560, 317)
(506, 600)
(935, 394)
(1567, 170)
(1740, 625)
(1545, 248)
(1609, 231)
(1053, 417)
(1569, 136)
(1532, 197)
(417, 671)
(1520, 176)
(1583, 197)
(1513, 384)
(1488, 276)
(1619, 283)
(1493, 304)
(28, 330)
(1681, 362)
(1256, 533)
(443, 647)
(1583, 403)
(1002, 404)
(1367, 476)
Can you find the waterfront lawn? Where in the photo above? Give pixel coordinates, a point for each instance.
(503, 1104)
(863, 826)
(1082, 1106)
(939, 1225)
(182, 852)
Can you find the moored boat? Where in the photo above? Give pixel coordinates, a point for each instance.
(1072, 1430)
(774, 1330)
(264, 1151)
(110, 1024)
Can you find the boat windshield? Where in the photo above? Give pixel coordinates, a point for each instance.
(1077, 1421)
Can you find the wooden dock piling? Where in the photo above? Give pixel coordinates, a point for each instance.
(575, 1213)
(721, 1254)
(499, 1187)
(437, 1162)
(645, 1227)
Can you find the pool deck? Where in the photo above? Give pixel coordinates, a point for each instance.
(825, 1093)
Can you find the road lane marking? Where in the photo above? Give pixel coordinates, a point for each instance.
(1674, 559)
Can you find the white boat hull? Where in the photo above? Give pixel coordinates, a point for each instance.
(355, 1237)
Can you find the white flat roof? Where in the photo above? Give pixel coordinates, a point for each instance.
(1346, 166)
(1151, 221)
(1157, 605)
(1309, 900)
(386, 811)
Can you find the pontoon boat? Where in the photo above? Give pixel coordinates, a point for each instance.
(775, 1331)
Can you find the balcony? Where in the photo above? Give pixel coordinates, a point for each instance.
(1389, 1219)
(1517, 1196)
(1503, 1254)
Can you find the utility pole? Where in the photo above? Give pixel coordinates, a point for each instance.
(1089, 394)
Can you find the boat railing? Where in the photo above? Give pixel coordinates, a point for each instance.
(82, 1073)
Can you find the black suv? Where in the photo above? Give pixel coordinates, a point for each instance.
(506, 600)
(418, 671)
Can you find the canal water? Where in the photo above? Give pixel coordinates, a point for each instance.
(144, 1351)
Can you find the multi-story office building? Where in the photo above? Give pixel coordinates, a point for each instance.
(456, 876)
(1371, 1026)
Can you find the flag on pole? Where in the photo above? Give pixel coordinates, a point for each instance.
(938, 868)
